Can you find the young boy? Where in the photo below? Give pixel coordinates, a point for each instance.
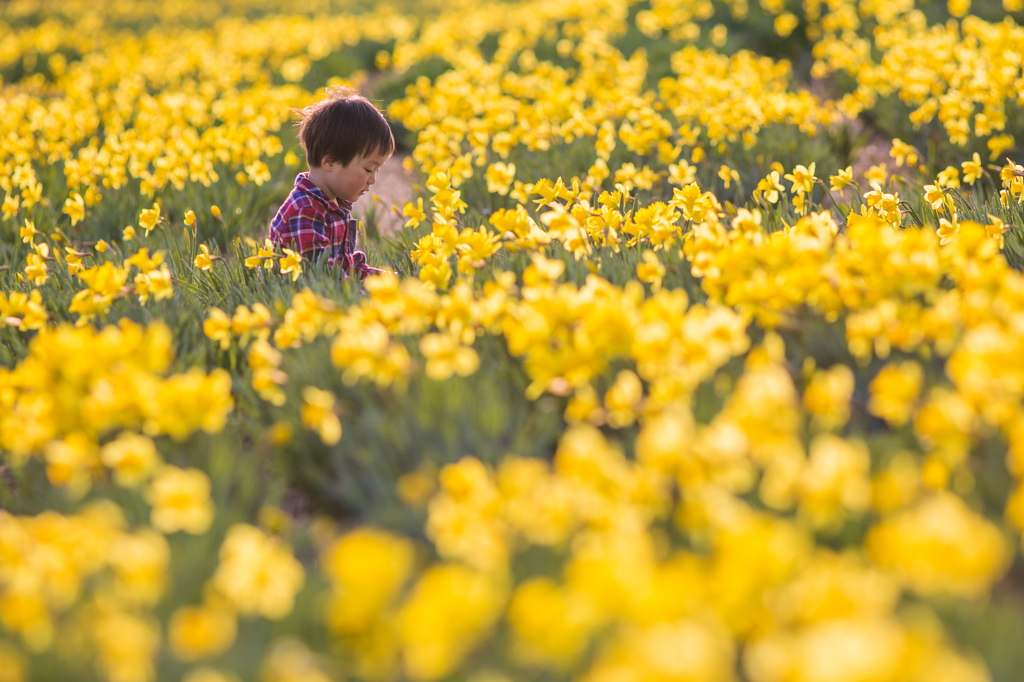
(346, 140)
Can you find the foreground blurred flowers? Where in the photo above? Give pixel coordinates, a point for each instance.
(644, 398)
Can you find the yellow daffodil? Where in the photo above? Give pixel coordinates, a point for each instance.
(768, 188)
(149, 218)
(291, 262)
(842, 180)
(204, 261)
(972, 169)
(74, 260)
(802, 179)
(74, 207)
(35, 264)
(414, 213)
(28, 232)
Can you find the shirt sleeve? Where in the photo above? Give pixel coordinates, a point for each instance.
(304, 230)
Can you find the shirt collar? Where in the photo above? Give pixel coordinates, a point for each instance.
(303, 182)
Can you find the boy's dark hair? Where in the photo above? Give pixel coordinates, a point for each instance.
(341, 126)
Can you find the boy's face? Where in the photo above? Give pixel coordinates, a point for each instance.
(352, 181)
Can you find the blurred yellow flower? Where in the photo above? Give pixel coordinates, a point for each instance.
(180, 500)
(367, 567)
(132, 457)
(140, 561)
(827, 396)
(291, 661)
(651, 270)
(257, 574)
(197, 632)
(446, 356)
(450, 609)
(11, 203)
(928, 546)
(318, 414)
(74, 207)
(552, 625)
(125, 645)
(12, 665)
(217, 327)
(499, 177)
(894, 391)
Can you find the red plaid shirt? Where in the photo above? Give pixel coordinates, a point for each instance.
(310, 224)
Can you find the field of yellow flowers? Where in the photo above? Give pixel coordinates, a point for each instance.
(669, 380)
